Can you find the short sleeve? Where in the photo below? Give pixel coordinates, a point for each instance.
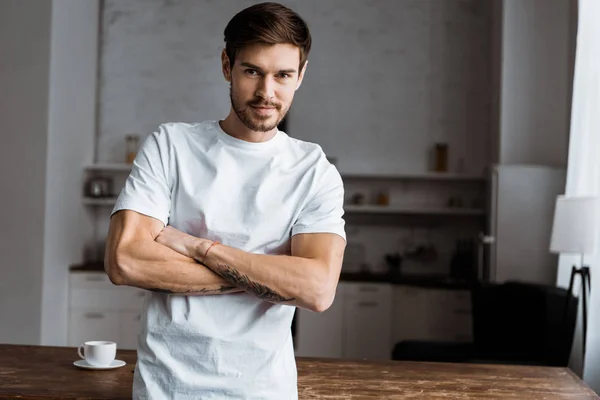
(147, 189)
(324, 211)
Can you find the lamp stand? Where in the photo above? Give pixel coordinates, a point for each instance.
(585, 277)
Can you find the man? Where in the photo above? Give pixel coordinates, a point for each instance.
(230, 225)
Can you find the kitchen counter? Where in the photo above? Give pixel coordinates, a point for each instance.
(48, 373)
(429, 281)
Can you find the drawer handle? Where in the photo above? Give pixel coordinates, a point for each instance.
(368, 289)
(94, 315)
(368, 304)
(95, 279)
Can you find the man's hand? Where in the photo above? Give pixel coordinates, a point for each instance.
(181, 242)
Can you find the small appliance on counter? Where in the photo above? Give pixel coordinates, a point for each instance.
(99, 187)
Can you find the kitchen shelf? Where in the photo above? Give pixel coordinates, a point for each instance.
(350, 209)
(375, 209)
(107, 201)
(426, 176)
(109, 167)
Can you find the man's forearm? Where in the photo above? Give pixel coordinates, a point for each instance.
(150, 265)
(289, 280)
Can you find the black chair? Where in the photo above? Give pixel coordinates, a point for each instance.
(513, 323)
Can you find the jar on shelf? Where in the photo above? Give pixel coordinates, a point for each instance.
(132, 143)
(441, 157)
(383, 198)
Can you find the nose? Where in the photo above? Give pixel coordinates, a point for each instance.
(266, 88)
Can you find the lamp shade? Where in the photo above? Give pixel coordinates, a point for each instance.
(575, 225)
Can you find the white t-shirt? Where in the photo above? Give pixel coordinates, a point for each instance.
(252, 196)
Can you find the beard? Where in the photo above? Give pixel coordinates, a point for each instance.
(254, 122)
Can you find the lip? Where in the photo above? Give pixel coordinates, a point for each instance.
(263, 110)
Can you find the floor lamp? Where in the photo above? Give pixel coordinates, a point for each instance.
(575, 232)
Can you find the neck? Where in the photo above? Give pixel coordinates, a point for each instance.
(236, 128)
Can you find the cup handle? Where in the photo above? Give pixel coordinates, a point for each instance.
(79, 351)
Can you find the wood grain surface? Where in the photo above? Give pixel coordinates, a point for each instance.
(48, 373)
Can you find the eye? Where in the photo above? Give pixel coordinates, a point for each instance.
(284, 75)
(251, 72)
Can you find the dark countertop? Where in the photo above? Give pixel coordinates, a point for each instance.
(48, 373)
(431, 281)
(97, 266)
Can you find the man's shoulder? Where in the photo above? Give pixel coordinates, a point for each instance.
(314, 159)
(174, 129)
(183, 134)
(304, 148)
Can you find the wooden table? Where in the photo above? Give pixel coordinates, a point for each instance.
(48, 373)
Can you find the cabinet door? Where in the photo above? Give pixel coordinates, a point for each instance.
(367, 328)
(430, 314)
(320, 334)
(87, 325)
(132, 299)
(455, 322)
(90, 280)
(129, 330)
(415, 313)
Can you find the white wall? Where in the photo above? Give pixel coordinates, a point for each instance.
(391, 77)
(394, 77)
(48, 60)
(71, 139)
(536, 81)
(24, 62)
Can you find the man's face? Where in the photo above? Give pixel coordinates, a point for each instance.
(263, 81)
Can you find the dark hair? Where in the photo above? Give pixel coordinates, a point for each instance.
(269, 23)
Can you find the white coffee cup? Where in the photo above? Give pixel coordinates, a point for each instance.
(98, 353)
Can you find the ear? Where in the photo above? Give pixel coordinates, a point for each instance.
(225, 66)
(301, 75)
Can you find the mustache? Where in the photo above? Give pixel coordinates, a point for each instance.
(261, 103)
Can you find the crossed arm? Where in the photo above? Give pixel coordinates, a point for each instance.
(141, 252)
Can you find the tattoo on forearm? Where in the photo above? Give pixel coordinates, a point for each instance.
(222, 289)
(159, 290)
(242, 281)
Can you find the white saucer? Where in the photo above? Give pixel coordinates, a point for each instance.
(84, 364)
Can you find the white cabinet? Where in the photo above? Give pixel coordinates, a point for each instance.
(320, 334)
(99, 310)
(421, 313)
(131, 298)
(129, 328)
(87, 325)
(356, 326)
(367, 317)
(411, 313)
